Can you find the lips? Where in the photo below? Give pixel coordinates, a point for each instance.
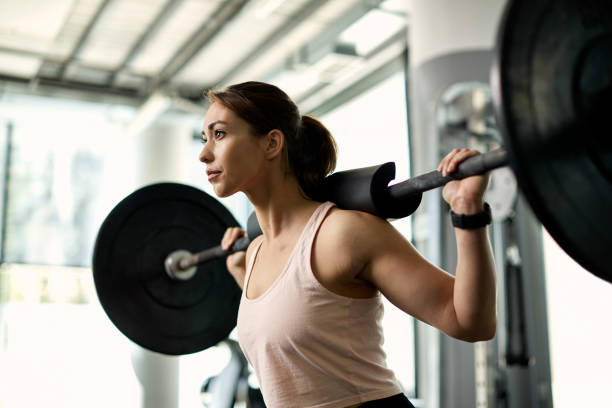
(212, 174)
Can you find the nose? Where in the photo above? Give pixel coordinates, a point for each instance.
(206, 154)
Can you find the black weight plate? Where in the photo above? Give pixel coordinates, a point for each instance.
(552, 82)
(159, 313)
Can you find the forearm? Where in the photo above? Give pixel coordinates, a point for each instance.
(236, 266)
(239, 278)
(236, 262)
(474, 292)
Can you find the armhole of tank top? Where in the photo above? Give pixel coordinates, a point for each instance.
(311, 275)
(250, 265)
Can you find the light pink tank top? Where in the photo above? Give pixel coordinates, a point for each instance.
(309, 346)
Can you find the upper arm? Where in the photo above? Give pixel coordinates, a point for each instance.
(389, 262)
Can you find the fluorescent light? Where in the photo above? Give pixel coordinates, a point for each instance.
(19, 65)
(266, 8)
(372, 30)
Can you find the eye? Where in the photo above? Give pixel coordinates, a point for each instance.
(219, 133)
(203, 141)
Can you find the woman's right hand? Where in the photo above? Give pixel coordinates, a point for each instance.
(236, 262)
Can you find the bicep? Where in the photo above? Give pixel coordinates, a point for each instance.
(407, 279)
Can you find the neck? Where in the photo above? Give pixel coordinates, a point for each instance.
(280, 204)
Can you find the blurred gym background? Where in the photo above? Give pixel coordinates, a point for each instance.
(100, 97)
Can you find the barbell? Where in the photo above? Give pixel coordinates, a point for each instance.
(551, 83)
(365, 189)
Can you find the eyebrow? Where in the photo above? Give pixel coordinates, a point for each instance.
(211, 125)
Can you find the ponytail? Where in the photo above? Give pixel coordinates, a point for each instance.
(312, 155)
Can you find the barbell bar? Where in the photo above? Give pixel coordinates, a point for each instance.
(357, 189)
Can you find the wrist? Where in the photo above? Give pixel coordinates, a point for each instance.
(472, 220)
(467, 205)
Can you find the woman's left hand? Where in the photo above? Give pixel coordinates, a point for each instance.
(464, 196)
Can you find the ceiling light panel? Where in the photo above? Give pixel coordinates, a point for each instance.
(79, 17)
(119, 27)
(298, 38)
(178, 28)
(237, 39)
(401, 7)
(373, 29)
(32, 25)
(18, 65)
(353, 76)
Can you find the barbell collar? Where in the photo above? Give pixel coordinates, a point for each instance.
(172, 262)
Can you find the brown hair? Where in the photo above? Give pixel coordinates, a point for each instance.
(310, 147)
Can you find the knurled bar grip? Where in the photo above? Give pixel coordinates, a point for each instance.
(479, 164)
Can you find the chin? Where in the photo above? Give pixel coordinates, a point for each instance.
(222, 192)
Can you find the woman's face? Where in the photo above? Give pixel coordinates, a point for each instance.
(232, 153)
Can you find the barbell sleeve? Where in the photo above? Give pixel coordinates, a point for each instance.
(475, 165)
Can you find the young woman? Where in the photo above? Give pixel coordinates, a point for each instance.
(310, 314)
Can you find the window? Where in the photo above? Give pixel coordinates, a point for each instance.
(579, 331)
(62, 180)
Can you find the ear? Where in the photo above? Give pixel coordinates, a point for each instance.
(274, 142)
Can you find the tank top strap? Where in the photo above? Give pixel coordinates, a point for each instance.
(313, 225)
(250, 266)
(303, 248)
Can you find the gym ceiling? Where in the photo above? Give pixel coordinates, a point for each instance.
(140, 51)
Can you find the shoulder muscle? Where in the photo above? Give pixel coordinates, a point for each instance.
(345, 239)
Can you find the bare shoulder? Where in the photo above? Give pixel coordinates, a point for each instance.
(339, 254)
(340, 220)
(350, 237)
(353, 227)
(370, 241)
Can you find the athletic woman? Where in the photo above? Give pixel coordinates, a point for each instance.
(310, 315)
